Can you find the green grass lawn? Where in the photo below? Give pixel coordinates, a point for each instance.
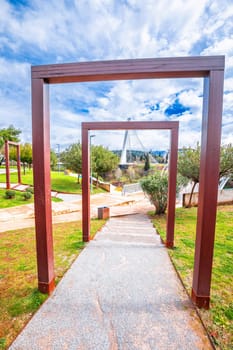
(26, 179)
(219, 319)
(19, 297)
(18, 200)
(59, 182)
(65, 183)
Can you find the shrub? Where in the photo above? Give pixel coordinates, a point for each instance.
(156, 187)
(9, 194)
(27, 195)
(30, 190)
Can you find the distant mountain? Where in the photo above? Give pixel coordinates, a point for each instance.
(159, 153)
(135, 155)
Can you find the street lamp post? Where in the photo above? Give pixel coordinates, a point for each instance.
(91, 163)
(58, 153)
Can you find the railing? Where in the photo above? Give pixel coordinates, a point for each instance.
(131, 188)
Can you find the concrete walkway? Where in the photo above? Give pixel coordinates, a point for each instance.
(122, 292)
(23, 216)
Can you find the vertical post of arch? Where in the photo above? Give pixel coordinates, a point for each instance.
(171, 202)
(208, 187)
(7, 157)
(7, 165)
(42, 187)
(18, 163)
(85, 185)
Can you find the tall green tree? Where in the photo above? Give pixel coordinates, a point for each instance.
(25, 154)
(72, 158)
(103, 161)
(53, 159)
(189, 164)
(10, 134)
(147, 162)
(226, 161)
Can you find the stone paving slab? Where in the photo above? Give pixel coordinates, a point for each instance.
(121, 293)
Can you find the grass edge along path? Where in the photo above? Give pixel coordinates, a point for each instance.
(59, 182)
(19, 296)
(219, 319)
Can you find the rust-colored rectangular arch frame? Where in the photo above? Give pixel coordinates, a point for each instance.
(211, 68)
(158, 125)
(7, 157)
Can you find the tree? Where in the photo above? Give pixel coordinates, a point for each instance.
(156, 187)
(72, 158)
(103, 160)
(25, 154)
(53, 159)
(10, 134)
(226, 161)
(147, 162)
(189, 164)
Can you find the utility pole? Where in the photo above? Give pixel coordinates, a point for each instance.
(58, 156)
(91, 163)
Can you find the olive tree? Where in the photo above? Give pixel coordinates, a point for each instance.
(103, 161)
(25, 155)
(72, 158)
(10, 134)
(189, 164)
(155, 187)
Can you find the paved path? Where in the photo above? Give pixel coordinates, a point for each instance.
(121, 293)
(23, 216)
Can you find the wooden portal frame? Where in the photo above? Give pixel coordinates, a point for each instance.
(173, 126)
(211, 68)
(7, 157)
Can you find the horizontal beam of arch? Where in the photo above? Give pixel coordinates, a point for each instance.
(131, 125)
(147, 68)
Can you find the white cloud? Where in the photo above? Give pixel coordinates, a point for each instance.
(65, 31)
(13, 72)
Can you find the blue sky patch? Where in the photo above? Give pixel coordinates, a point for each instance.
(176, 109)
(154, 107)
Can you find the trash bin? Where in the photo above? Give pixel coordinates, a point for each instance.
(103, 212)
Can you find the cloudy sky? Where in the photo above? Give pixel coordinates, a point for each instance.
(34, 32)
